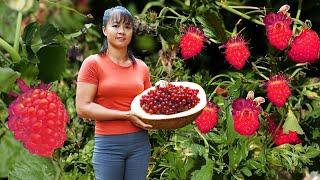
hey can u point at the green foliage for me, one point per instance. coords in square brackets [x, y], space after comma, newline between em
[52, 62]
[10, 151]
[41, 168]
[7, 78]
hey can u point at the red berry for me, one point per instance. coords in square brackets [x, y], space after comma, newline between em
[245, 115]
[305, 47]
[38, 119]
[278, 30]
[237, 52]
[208, 118]
[278, 90]
[191, 43]
[279, 137]
[170, 99]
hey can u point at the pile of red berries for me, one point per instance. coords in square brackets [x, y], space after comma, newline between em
[169, 99]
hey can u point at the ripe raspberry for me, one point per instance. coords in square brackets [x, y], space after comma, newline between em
[191, 43]
[278, 90]
[208, 118]
[245, 115]
[279, 137]
[305, 47]
[237, 52]
[278, 30]
[38, 119]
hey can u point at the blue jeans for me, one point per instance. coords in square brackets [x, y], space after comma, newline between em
[121, 157]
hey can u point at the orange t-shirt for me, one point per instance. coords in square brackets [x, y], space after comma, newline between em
[116, 88]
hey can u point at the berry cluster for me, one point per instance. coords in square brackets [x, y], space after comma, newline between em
[38, 119]
[305, 47]
[170, 99]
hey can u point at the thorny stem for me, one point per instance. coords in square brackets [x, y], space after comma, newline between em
[13, 53]
[232, 10]
[297, 16]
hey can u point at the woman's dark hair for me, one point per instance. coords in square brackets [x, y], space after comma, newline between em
[120, 14]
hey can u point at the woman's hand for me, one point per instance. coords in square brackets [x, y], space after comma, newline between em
[137, 121]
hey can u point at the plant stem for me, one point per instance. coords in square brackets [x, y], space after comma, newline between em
[206, 144]
[150, 4]
[244, 7]
[228, 8]
[258, 71]
[13, 53]
[17, 34]
[297, 16]
[165, 9]
[312, 85]
[66, 7]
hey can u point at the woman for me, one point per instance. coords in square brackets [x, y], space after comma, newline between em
[107, 83]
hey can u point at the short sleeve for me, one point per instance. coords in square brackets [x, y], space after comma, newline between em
[147, 79]
[89, 71]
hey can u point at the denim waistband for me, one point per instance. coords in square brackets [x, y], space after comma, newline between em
[135, 137]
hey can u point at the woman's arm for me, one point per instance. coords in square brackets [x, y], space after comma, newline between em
[86, 108]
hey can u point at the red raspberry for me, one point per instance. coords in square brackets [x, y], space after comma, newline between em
[38, 119]
[191, 43]
[245, 115]
[237, 52]
[278, 90]
[305, 47]
[278, 30]
[208, 118]
[279, 137]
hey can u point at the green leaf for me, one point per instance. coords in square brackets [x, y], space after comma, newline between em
[7, 79]
[235, 89]
[29, 33]
[52, 62]
[292, 124]
[48, 32]
[3, 111]
[231, 133]
[312, 152]
[246, 171]
[10, 149]
[79, 33]
[213, 25]
[29, 71]
[205, 172]
[198, 149]
[239, 153]
[31, 167]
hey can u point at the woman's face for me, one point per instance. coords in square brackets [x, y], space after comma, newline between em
[118, 32]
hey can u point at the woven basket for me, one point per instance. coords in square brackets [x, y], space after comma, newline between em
[175, 121]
